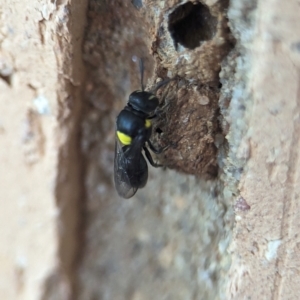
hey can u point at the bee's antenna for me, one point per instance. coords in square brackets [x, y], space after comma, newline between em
[142, 73]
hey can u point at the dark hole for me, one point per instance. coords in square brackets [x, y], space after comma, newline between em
[158, 130]
[137, 3]
[190, 24]
[213, 171]
[6, 78]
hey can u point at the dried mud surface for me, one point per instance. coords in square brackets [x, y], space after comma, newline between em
[169, 241]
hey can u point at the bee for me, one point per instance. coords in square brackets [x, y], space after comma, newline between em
[133, 132]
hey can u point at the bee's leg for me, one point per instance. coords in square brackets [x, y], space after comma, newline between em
[159, 85]
[150, 159]
[153, 116]
[159, 111]
[156, 151]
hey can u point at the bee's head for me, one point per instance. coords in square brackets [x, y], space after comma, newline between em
[143, 101]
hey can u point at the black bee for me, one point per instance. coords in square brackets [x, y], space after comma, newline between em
[133, 131]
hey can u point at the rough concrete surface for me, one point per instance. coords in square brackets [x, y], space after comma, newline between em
[265, 247]
[39, 93]
[220, 221]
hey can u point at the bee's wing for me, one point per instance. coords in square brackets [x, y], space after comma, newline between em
[121, 176]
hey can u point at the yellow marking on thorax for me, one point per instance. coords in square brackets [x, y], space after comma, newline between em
[124, 138]
[147, 123]
[152, 97]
